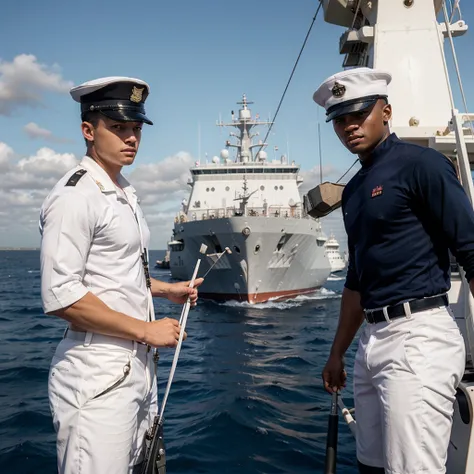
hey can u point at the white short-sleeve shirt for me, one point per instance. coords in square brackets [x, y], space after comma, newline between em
[93, 235]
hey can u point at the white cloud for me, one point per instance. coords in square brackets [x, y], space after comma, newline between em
[36, 173]
[34, 131]
[24, 80]
[25, 182]
[161, 182]
[23, 186]
[161, 187]
[6, 153]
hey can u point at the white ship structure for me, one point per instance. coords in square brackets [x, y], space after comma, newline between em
[252, 205]
[336, 260]
[406, 38]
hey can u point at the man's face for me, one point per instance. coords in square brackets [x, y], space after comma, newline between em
[115, 143]
[360, 132]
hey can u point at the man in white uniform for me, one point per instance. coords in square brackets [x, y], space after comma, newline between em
[404, 212]
[94, 274]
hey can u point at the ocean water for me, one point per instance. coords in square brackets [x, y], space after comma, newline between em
[247, 396]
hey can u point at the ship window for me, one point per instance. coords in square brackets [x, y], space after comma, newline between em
[262, 188]
[213, 189]
[207, 189]
[276, 188]
[227, 188]
[237, 249]
[281, 187]
[257, 248]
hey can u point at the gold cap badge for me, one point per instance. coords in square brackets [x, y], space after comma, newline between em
[338, 90]
[137, 94]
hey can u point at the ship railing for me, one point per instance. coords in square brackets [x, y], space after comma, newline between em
[288, 212]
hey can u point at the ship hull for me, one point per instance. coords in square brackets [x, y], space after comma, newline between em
[254, 298]
[272, 258]
[337, 266]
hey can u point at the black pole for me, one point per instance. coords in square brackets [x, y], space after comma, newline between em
[331, 442]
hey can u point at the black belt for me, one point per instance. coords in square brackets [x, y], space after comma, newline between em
[398, 310]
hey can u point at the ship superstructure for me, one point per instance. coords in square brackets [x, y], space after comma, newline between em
[337, 261]
[252, 205]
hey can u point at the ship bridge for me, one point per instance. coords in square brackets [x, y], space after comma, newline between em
[248, 184]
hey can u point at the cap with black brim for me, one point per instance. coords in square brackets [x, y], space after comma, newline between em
[127, 116]
[351, 106]
[117, 97]
[121, 111]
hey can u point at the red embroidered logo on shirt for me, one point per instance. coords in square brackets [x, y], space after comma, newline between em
[377, 191]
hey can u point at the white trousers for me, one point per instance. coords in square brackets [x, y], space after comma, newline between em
[103, 398]
[405, 378]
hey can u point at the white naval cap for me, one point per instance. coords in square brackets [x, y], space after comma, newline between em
[119, 98]
[351, 91]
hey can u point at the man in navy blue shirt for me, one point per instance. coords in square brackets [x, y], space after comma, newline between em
[404, 212]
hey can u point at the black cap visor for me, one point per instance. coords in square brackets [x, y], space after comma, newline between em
[126, 115]
[351, 106]
[122, 111]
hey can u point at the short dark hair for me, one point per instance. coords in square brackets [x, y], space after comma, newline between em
[91, 117]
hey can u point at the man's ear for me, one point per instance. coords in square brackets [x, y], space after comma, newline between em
[88, 131]
[387, 113]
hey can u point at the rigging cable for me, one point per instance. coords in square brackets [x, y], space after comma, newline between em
[291, 75]
[352, 166]
[356, 11]
[455, 8]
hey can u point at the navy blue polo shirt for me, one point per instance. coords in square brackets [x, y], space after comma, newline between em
[403, 211]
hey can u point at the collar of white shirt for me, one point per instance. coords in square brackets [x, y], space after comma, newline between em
[100, 176]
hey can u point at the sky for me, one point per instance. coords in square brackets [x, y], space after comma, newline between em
[198, 58]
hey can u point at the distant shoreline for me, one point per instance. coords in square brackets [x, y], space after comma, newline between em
[9, 249]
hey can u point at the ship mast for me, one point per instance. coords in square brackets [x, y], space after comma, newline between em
[244, 123]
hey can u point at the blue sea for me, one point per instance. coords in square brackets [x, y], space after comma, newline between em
[247, 396]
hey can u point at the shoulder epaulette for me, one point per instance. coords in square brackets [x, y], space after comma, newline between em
[74, 179]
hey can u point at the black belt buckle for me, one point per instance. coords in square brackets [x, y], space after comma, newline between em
[369, 318]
